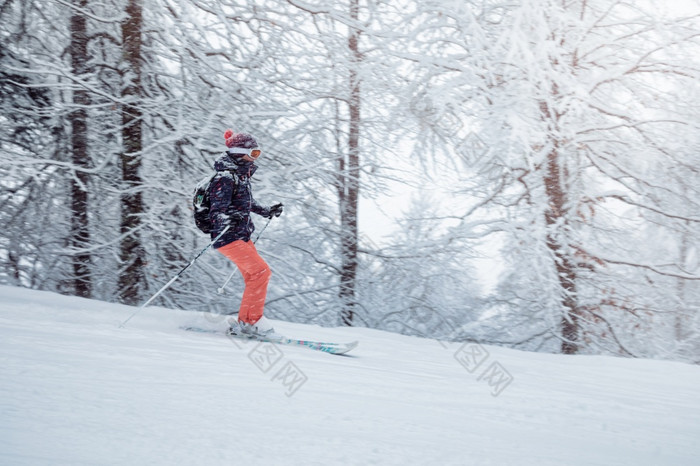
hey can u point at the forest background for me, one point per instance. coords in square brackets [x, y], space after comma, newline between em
[556, 139]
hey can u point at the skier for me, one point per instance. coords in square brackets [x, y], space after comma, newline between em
[231, 204]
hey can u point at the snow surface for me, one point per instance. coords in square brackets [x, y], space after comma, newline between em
[75, 389]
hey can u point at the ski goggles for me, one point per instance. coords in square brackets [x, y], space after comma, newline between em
[253, 153]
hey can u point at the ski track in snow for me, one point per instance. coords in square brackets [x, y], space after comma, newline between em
[75, 389]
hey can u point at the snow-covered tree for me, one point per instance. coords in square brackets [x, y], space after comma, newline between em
[573, 144]
[564, 132]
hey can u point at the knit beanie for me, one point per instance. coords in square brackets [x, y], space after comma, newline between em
[243, 140]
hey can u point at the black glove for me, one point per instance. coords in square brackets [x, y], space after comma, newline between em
[275, 210]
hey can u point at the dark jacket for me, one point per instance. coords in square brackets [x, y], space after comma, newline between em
[232, 200]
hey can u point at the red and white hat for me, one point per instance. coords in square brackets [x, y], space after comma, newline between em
[240, 140]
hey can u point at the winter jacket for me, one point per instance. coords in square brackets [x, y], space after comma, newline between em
[232, 200]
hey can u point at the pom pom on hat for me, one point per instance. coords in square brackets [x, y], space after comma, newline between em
[228, 137]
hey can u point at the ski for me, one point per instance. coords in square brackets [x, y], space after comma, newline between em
[326, 347]
[332, 348]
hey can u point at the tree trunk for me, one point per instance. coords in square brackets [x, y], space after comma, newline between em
[683, 320]
[80, 232]
[131, 279]
[350, 182]
[557, 243]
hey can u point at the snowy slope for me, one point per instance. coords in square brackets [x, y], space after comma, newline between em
[75, 389]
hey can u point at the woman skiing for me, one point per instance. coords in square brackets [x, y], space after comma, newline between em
[231, 204]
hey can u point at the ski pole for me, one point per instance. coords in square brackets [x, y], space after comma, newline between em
[261, 231]
[172, 280]
[221, 290]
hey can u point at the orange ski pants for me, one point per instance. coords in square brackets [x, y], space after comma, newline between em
[256, 275]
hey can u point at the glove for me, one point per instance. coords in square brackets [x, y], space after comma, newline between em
[276, 210]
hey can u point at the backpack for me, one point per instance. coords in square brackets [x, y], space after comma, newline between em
[202, 203]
